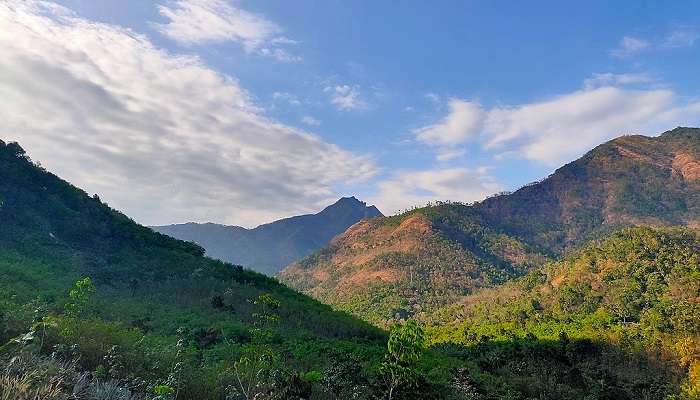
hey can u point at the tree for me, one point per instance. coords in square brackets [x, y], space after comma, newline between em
[79, 297]
[404, 349]
[256, 369]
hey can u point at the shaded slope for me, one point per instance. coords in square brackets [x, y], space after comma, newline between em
[270, 247]
[52, 233]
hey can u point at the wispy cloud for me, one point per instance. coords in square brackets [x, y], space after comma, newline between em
[433, 97]
[287, 97]
[193, 22]
[464, 118]
[449, 154]
[681, 38]
[629, 46]
[610, 79]
[345, 97]
[101, 105]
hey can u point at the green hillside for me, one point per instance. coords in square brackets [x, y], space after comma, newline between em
[160, 308]
[631, 180]
[411, 265]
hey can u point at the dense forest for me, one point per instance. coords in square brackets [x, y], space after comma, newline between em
[95, 306]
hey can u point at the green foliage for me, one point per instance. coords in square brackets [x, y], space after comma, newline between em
[404, 349]
[79, 297]
[155, 319]
[429, 270]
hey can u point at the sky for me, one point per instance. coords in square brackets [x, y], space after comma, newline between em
[243, 112]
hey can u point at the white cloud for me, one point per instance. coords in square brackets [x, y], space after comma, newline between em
[415, 188]
[159, 135]
[345, 97]
[681, 38]
[560, 129]
[464, 119]
[279, 55]
[192, 22]
[629, 46]
[309, 120]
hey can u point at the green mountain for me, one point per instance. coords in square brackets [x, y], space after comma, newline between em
[414, 264]
[159, 303]
[269, 247]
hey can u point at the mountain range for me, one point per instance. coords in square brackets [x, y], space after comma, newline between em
[269, 247]
[413, 264]
[585, 285]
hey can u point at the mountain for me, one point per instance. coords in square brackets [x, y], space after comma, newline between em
[158, 301]
[270, 247]
[416, 263]
[631, 180]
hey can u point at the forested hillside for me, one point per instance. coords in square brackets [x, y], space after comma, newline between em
[637, 291]
[631, 180]
[154, 314]
[411, 265]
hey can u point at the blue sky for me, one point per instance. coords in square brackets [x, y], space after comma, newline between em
[245, 111]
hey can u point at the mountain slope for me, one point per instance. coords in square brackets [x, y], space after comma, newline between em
[377, 272]
[153, 291]
[411, 265]
[631, 180]
[166, 322]
[270, 247]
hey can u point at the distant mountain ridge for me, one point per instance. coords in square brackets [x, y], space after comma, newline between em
[269, 247]
[416, 263]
